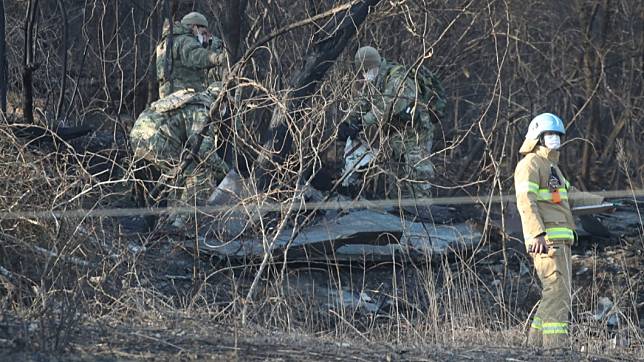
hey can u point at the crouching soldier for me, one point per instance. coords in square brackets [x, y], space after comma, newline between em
[544, 200]
[164, 135]
[396, 115]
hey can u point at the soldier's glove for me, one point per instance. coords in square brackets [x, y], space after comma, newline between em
[348, 129]
[218, 58]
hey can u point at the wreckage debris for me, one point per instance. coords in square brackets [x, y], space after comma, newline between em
[364, 235]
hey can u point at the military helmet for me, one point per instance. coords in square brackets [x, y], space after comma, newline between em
[545, 122]
[194, 18]
[367, 58]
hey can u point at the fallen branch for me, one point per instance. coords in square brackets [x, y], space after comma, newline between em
[68, 259]
[48, 253]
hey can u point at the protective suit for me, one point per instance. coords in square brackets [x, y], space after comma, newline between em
[163, 136]
[544, 200]
[399, 107]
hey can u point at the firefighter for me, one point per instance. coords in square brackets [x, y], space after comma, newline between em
[544, 200]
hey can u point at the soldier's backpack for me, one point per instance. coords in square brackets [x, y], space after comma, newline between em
[432, 94]
[182, 97]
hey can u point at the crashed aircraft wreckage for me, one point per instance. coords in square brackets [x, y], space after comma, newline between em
[363, 235]
[359, 234]
[371, 234]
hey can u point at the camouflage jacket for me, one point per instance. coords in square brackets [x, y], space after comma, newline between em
[409, 98]
[162, 131]
[190, 61]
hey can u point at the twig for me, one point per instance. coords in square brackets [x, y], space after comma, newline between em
[349, 325]
[69, 259]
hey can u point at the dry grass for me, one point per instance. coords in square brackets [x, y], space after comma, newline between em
[68, 281]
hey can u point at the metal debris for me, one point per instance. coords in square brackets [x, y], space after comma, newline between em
[606, 310]
[581, 270]
[360, 235]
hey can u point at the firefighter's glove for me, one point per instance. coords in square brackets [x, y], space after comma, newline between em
[538, 245]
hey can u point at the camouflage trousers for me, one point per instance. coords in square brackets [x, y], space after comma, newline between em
[163, 140]
[549, 327]
[411, 164]
[401, 169]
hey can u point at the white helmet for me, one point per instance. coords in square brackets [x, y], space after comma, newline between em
[545, 122]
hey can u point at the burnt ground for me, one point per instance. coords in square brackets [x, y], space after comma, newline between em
[189, 339]
[151, 297]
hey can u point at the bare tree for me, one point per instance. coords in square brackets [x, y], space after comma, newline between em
[63, 45]
[4, 77]
[29, 64]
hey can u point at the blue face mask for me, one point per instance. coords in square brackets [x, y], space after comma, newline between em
[552, 141]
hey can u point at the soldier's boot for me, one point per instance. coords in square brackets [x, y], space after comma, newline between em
[145, 180]
[188, 197]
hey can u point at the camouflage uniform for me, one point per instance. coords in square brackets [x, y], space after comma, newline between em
[395, 108]
[192, 64]
[162, 136]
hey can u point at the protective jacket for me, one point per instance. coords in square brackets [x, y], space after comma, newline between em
[398, 109]
[545, 196]
[418, 99]
[190, 61]
[162, 131]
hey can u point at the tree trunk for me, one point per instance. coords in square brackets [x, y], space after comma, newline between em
[63, 77]
[4, 69]
[155, 35]
[594, 43]
[234, 27]
[28, 62]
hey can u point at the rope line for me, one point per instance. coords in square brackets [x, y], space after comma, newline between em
[273, 207]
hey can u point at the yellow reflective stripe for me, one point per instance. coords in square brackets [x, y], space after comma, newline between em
[560, 233]
[528, 186]
[555, 328]
[546, 195]
[555, 324]
[537, 323]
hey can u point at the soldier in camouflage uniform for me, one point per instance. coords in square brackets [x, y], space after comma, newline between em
[163, 134]
[197, 56]
[398, 109]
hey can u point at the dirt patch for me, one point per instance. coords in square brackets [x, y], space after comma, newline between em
[192, 340]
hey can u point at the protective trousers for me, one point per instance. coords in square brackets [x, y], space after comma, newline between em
[549, 327]
[413, 148]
